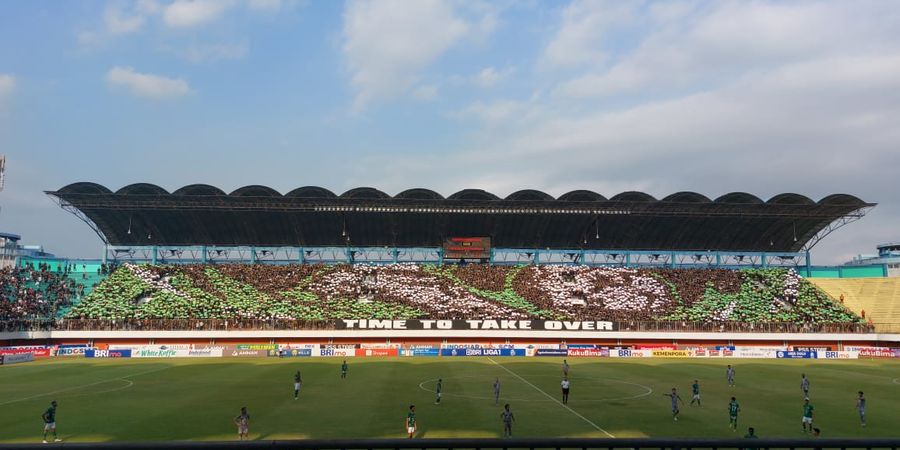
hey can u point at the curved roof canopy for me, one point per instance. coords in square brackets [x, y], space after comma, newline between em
[311, 216]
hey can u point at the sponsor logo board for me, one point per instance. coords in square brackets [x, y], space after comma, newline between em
[72, 351]
[483, 352]
[339, 351]
[125, 353]
[377, 352]
[587, 352]
[422, 351]
[551, 352]
[16, 358]
[793, 354]
[657, 353]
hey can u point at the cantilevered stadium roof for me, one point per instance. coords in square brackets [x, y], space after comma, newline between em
[310, 216]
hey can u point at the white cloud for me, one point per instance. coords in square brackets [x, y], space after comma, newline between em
[695, 47]
[426, 92]
[585, 26]
[7, 86]
[387, 43]
[489, 76]
[191, 13]
[495, 111]
[147, 85]
[118, 22]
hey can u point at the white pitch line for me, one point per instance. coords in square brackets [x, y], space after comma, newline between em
[81, 386]
[553, 398]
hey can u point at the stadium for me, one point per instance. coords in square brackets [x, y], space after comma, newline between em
[205, 302]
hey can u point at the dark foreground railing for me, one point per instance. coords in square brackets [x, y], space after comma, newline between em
[479, 444]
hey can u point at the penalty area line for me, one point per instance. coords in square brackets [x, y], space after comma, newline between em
[553, 398]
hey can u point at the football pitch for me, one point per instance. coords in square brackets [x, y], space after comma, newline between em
[196, 399]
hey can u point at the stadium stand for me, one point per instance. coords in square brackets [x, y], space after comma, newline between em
[877, 298]
[308, 293]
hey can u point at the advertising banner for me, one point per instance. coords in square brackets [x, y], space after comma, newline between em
[71, 350]
[587, 352]
[17, 358]
[837, 355]
[754, 352]
[377, 352]
[795, 354]
[876, 352]
[422, 351]
[475, 324]
[233, 352]
[107, 353]
[256, 346]
[657, 353]
[293, 353]
[337, 351]
[149, 352]
[812, 349]
[484, 352]
[628, 353]
[150, 347]
[37, 351]
[570, 346]
[551, 352]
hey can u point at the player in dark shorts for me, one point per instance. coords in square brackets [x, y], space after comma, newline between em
[565, 389]
[49, 417]
[861, 408]
[675, 399]
[437, 391]
[508, 418]
[297, 382]
[411, 421]
[696, 390]
[344, 369]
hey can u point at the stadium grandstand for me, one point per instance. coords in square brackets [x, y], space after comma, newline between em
[198, 273]
[310, 260]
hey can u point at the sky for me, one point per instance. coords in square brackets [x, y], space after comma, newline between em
[612, 96]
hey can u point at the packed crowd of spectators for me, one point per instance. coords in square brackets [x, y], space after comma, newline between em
[304, 294]
[33, 292]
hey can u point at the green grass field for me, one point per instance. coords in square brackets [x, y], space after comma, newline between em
[196, 399]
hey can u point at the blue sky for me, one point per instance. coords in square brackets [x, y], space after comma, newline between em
[713, 97]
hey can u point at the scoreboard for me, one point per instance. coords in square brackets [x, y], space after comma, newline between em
[467, 248]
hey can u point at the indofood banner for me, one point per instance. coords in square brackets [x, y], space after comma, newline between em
[475, 324]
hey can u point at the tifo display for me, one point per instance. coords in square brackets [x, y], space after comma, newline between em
[329, 293]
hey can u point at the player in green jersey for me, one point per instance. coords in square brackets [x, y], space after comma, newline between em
[344, 369]
[807, 419]
[49, 417]
[297, 382]
[696, 389]
[411, 421]
[733, 410]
